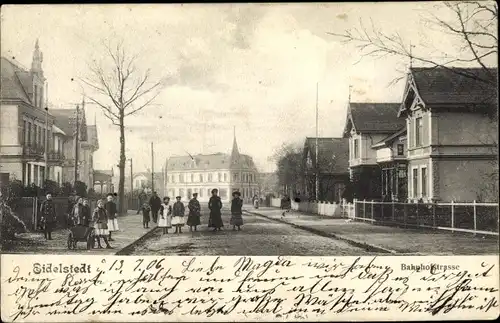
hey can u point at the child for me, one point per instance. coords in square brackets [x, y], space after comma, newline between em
[100, 219]
[178, 215]
[236, 218]
[165, 221]
[145, 215]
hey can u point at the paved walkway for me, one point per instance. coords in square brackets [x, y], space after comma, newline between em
[401, 241]
[130, 230]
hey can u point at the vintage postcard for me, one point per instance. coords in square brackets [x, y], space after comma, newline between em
[249, 162]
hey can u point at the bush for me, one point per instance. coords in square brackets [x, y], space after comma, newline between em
[52, 187]
[66, 189]
[10, 223]
[80, 189]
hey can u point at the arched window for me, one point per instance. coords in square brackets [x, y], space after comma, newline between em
[225, 177]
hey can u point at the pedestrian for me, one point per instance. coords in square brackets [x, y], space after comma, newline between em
[77, 213]
[178, 215]
[111, 211]
[86, 213]
[194, 213]
[100, 220]
[215, 206]
[48, 219]
[165, 221]
[155, 204]
[146, 210]
[236, 213]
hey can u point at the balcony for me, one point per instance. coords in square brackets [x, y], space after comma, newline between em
[33, 151]
[56, 156]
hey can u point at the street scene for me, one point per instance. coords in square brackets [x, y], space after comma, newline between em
[252, 129]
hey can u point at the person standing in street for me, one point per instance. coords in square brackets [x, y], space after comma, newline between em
[236, 213]
[165, 220]
[77, 213]
[86, 213]
[178, 215]
[146, 210]
[215, 206]
[194, 213]
[155, 204]
[100, 220]
[49, 217]
[111, 211]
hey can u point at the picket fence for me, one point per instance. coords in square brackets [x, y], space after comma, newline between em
[476, 218]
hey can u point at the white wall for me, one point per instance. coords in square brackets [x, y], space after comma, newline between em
[9, 126]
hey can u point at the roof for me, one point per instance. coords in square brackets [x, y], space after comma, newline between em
[65, 120]
[57, 130]
[374, 118]
[158, 175]
[103, 172]
[333, 154]
[16, 82]
[212, 161]
[390, 138]
[455, 85]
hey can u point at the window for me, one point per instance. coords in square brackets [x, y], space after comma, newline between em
[223, 193]
[181, 179]
[35, 171]
[210, 177]
[201, 192]
[220, 177]
[225, 177]
[29, 134]
[168, 179]
[418, 132]
[356, 148]
[401, 149]
[173, 178]
[192, 177]
[201, 178]
[209, 192]
[424, 181]
[250, 178]
[42, 174]
[415, 182]
[24, 132]
[35, 93]
[181, 192]
[236, 177]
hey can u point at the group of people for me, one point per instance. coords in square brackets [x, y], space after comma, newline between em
[103, 219]
[169, 216]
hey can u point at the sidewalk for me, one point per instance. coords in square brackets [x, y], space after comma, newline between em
[33, 242]
[384, 238]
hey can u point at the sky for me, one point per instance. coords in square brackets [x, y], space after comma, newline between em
[254, 67]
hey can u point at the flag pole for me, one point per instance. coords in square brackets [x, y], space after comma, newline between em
[317, 150]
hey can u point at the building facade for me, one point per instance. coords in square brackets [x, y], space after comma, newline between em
[185, 175]
[26, 128]
[367, 124]
[452, 123]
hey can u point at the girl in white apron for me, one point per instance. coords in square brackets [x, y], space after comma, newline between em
[165, 220]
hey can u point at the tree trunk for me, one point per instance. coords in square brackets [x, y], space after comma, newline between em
[121, 165]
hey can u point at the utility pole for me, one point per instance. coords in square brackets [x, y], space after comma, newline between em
[76, 142]
[317, 150]
[131, 178]
[46, 173]
[152, 169]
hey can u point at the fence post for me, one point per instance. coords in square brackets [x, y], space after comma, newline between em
[434, 215]
[364, 209]
[475, 218]
[452, 217]
[393, 211]
[354, 202]
[372, 210]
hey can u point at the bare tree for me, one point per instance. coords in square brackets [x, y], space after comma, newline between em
[474, 25]
[288, 160]
[120, 90]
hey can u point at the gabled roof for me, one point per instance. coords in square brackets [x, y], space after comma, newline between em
[57, 130]
[65, 120]
[373, 118]
[212, 161]
[390, 139]
[441, 85]
[158, 175]
[333, 154]
[16, 82]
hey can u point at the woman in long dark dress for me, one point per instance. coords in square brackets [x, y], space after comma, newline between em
[236, 213]
[215, 206]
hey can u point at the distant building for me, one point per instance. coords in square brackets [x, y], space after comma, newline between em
[332, 167]
[200, 174]
[142, 181]
[103, 181]
[25, 126]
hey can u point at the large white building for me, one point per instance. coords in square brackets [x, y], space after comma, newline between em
[27, 131]
[185, 175]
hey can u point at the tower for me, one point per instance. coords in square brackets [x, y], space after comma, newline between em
[36, 63]
[235, 153]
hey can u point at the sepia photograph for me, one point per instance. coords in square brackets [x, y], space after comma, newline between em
[327, 129]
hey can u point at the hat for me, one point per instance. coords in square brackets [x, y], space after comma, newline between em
[236, 193]
[178, 197]
[109, 194]
[215, 190]
[195, 194]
